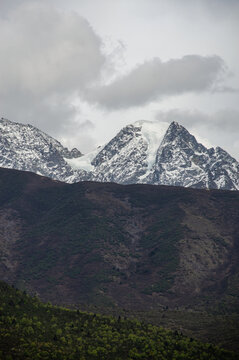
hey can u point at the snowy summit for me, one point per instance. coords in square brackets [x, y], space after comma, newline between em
[142, 152]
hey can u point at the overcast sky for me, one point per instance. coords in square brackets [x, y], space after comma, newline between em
[80, 70]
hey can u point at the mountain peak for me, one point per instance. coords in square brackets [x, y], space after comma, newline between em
[24, 147]
[142, 152]
[72, 154]
[175, 126]
[177, 131]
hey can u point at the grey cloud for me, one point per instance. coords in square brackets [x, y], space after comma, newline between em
[6, 6]
[154, 79]
[187, 118]
[87, 125]
[225, 119]
[221, 8]
[47, 58]
[43, 50]
[79, 132]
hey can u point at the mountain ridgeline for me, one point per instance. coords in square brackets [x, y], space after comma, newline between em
[24, 147]
[165, 254]
[143, 152]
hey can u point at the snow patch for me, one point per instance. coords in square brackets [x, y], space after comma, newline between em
[152, 133]
[84, 162]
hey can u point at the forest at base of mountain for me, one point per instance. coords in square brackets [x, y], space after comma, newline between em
[30, 329]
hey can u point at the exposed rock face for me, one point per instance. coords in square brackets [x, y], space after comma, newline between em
[24, 147]
[182, 161]
[152, 154]
[143, 152]
[123, 159]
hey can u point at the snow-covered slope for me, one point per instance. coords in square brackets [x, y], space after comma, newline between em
[130, 155]
[84, 162]
[182, 161]
[143, 152]
[159, 153]
[24, 147]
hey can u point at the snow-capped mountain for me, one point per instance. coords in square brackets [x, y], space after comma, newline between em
[143, 152]
[182, 161]
[24, 147]
[130, 155]
[159, 153]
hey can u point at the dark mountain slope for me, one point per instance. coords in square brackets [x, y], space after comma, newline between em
[137, 247]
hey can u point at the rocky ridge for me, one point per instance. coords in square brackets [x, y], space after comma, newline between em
[24, 147]
[143, 152]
